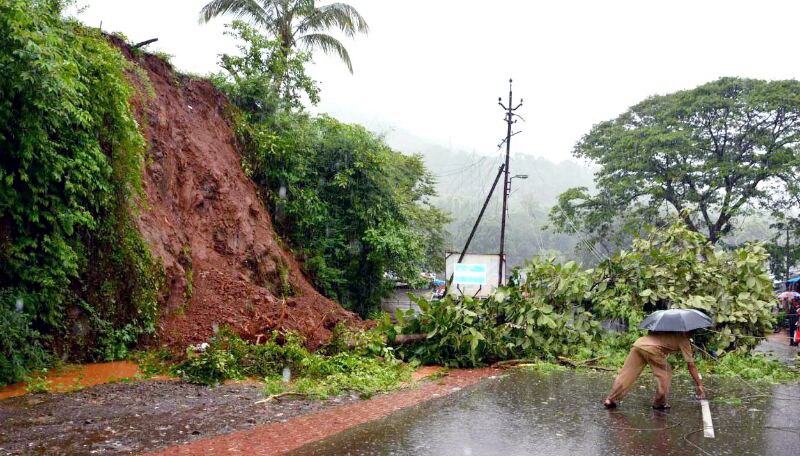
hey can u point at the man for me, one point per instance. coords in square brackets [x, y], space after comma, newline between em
[653, 350]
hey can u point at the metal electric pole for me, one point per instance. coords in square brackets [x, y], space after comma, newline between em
[509, 118]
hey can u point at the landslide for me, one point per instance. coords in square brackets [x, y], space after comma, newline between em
[224, 264]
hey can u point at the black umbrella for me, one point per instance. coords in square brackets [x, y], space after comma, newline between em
[676, 320]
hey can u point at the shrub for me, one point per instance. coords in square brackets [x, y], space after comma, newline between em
[510, 324]
[38, 384]
[230, 357]
[362, 342]
[20, 346]
[211, 367]
[677, 267]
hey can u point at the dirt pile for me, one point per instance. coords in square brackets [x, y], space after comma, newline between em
[224, 263]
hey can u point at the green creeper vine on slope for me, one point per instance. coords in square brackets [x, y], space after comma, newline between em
[70, 170]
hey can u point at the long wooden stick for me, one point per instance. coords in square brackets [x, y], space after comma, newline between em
[574, 363]
[513, 362]
[280, 395]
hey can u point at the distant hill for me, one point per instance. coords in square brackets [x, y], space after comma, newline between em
[464, 179]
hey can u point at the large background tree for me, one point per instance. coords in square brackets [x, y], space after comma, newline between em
[708, 154]
[295, 22]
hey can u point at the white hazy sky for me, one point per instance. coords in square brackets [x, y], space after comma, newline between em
[436, 67]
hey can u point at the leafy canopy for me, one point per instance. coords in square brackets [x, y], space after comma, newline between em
[707, 154]
[263, 78]
[357, 211]
[295, 22]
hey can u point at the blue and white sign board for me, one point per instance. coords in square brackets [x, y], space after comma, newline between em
[469, 274]
[476, 274]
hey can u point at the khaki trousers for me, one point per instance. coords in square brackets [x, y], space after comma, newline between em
[634, 363]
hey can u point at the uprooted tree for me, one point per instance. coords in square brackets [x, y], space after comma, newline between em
[556, 309]
[708, 154]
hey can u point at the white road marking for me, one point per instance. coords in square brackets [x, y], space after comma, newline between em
[708, 425]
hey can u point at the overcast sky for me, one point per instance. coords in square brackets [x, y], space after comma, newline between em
[436, 67]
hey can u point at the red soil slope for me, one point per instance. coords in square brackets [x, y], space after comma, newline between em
[223, 261]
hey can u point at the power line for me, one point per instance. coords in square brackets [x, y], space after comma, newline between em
[571, 223]
[462, 169]
[477, 223]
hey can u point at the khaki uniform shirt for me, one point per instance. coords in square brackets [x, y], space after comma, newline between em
[666, 343]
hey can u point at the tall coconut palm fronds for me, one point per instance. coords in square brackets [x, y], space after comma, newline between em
[295, 22]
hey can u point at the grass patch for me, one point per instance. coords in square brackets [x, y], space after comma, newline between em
[751, 367]
[153, 363]
[440, 373]
[38, 383]
[544, 367]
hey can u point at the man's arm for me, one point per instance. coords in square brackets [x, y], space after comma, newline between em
[686, 348]
[701, 392]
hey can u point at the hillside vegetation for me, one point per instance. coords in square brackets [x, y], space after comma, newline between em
[129, 214]
[359, 214]
[75, 274]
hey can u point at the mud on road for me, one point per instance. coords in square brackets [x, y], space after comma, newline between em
[123, 418]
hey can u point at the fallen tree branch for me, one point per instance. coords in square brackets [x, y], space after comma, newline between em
[144, 43]
[275, 397]
[573, 363]
[513, 362]
[593, 360]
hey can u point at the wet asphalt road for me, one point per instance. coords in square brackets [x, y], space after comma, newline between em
[532, 413]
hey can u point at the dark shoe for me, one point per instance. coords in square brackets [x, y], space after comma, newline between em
[609, 404]
[662, 407]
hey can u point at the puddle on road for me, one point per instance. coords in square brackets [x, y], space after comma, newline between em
[528, 413]
[75, 377]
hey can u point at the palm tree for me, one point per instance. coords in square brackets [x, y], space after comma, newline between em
[295, 22]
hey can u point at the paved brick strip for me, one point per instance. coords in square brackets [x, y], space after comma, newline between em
[279, 438]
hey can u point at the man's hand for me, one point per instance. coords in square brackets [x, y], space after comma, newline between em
[701, 393]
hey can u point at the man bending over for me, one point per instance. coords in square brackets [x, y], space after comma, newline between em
[653, 350]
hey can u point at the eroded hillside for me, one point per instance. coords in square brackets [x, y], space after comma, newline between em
[224, 264]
